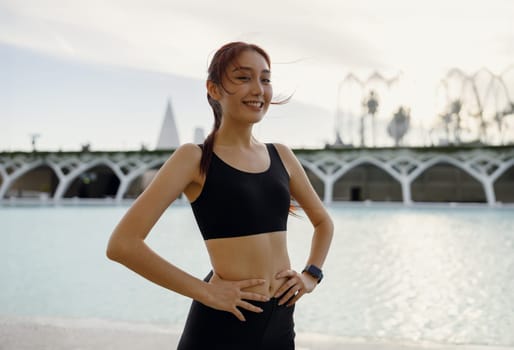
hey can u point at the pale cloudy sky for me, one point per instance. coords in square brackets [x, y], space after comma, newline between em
[101, 71]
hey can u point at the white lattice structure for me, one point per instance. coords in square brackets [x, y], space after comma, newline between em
[403, 165]
[67, 167]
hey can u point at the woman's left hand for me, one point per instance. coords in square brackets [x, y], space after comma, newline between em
[296, 285]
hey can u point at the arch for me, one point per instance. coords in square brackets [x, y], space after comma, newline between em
[135, 187]
[445, 182]
[68, 165]
[37, 181]
[367, 181]
[368, 160]
[504, 186]
[142, 180]
[18, 170]
[313, 167]
[501, 169]
[97, 181]
[443, 159]
[316, 182]
[131, 186]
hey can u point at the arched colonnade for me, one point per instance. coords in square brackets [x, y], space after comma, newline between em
[402, 175]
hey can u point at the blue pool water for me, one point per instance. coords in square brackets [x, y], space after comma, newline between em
[437, 274]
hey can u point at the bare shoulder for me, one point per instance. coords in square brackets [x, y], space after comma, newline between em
[178, 172]
[183, 166]
[187, 155]
[189, 150]
[281, 147]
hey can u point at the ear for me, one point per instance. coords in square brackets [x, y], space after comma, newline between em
[213, 90]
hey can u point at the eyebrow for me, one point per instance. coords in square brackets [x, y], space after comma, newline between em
[250, 69]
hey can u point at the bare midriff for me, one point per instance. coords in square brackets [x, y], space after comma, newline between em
[259, 256]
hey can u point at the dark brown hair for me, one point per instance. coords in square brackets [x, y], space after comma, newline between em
[220, 62]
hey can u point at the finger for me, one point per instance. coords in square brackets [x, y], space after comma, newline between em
[285, 273]
[254, 296]
[250, 307]
[296, 297]
[284, 287]
[238, 314]
[288, 296]
[250, 283]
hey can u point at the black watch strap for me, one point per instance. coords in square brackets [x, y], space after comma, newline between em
[314, 271]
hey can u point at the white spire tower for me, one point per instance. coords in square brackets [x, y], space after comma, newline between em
[168, 137]
[199, 135]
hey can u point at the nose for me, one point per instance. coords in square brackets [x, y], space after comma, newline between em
[257, 88]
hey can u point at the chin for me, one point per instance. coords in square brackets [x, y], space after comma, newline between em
[253, 117]
[255, 120]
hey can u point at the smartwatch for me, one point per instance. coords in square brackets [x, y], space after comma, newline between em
[314, 271]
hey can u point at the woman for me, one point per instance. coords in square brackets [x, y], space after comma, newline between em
[240, 192]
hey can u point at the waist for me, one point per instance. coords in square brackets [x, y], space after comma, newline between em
[260, 256]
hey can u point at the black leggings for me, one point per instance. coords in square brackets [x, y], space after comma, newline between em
[207, 328]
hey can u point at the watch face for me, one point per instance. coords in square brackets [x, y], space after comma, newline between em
[314, 269]
[314, 272]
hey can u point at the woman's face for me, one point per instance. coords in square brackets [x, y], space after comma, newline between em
[248, 88]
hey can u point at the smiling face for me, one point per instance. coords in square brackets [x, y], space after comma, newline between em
[246, 92]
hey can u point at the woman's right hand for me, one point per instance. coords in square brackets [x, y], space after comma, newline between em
[229, 295]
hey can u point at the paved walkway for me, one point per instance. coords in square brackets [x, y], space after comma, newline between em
[41, 334]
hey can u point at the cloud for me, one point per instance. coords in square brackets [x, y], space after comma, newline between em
[325, 40]
[178, 36]
[113, 31]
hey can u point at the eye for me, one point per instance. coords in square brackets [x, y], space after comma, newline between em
[243, 78]
[266, 80]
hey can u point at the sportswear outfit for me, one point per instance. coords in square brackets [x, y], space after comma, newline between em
[235, 203]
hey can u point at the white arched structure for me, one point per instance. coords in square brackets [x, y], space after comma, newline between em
[68, 167]
[405, 165]
[329, 165]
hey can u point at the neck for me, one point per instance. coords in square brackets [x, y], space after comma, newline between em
[234, 135]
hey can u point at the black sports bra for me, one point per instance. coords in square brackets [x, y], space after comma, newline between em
[235, 203]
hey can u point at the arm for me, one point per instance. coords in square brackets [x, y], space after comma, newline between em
[127, 245]
[303, 192]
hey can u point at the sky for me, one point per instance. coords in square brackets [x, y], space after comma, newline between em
[102, 72]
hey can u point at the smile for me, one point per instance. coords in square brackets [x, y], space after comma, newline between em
[257, 104]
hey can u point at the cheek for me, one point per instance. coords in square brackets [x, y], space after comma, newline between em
[268, 93]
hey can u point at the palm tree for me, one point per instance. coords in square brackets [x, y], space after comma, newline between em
[371, 105]
[446, 119]
[399, 125]
[455, 108]
[33, 139]
[500, 118]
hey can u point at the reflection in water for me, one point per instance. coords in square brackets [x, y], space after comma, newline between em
[433, 274]
[444, 275]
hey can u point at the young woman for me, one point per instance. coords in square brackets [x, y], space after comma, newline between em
[240, 191]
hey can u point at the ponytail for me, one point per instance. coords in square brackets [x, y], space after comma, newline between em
[208, 144]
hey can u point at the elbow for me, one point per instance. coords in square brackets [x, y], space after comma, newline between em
[116, 250]
[123, 249]
[324, 229]
[331, 226]
[112, 252]
[328, 227]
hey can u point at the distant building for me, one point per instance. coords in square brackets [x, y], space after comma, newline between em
[168, 137]
[199, 135]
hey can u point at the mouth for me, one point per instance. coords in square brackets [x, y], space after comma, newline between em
[255, 104]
